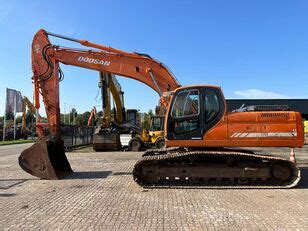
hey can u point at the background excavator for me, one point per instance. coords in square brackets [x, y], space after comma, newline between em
[120, 128]
[92, 117]
[107, 135]
[205, 143]
[116, 131]
[26, 104]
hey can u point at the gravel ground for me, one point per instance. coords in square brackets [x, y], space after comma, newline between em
[101, 194]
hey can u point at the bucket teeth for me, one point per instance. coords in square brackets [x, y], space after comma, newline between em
[45, 159]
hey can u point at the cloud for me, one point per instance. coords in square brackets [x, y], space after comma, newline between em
[259, 94]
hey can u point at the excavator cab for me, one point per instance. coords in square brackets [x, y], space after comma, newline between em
[193, 111]
[156, 131]
[157, 123]
[132, 116]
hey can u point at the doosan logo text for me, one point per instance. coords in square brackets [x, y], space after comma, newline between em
[94, 61]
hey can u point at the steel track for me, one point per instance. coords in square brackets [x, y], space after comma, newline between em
[153, 168]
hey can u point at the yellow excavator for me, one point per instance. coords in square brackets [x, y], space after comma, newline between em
[107, 136]
[120, 128]
[26, 103]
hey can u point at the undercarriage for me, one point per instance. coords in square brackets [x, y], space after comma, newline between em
[184, 168]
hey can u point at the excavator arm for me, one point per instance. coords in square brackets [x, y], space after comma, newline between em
[109, 84]
[26, 103]
[92, 116]
[46, 158]
[47, 73]
[117, 94]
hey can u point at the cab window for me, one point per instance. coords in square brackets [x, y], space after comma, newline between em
[157, 124]
[211, 105]
[185, 109]
[186, 104]
[186, 126]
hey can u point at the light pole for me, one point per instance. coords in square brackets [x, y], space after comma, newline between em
[74, 106]
[69, 115]
[64, 112]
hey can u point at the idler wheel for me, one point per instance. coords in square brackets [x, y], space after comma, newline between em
[281, 172]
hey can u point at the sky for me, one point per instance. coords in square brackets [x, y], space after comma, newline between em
[252, 49]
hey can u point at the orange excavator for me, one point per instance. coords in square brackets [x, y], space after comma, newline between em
[204, 143]
[92, 116]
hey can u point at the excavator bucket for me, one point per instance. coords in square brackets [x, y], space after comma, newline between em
[45, 159]
[106, 141]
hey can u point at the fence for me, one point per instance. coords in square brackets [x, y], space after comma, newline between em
[74, 136]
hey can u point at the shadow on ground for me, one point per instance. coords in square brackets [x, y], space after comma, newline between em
[8, 183]
[7, 194]
[122, 173]
[89, 175]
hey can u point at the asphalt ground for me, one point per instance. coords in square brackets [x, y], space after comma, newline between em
[14, 149]
[101, 194]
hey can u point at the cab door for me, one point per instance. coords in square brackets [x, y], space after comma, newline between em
[193, 112]
[185, 118]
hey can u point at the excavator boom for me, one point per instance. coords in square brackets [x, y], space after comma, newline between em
[92, 116]
[47, 74]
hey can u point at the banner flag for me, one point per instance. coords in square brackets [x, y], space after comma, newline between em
[13, 98]
[10, 102]
[19, 102]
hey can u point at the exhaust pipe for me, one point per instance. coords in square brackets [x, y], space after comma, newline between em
[45, 159]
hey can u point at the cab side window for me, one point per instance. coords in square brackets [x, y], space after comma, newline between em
[211, 105]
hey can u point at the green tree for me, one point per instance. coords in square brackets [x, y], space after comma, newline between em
[18, 119]
[73, 114]
[29, 117]
[150, 112]
[9, 115]
[78, 120]
[86, 116]
[146, 119]
[99, 114]
[62, 118]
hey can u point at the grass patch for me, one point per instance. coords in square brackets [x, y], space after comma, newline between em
[8, 142]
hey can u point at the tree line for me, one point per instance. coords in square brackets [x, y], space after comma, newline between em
[75, 118]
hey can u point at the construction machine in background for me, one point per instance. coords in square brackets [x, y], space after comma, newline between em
[155, 135]
[116, 124]
[92, 118]
[106, 136]
[205, 145]
[119, 127]
[26, 104]
[148, 138]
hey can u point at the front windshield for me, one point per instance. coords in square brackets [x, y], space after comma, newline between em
[131, 117]
[186, 104]
[156, 124]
